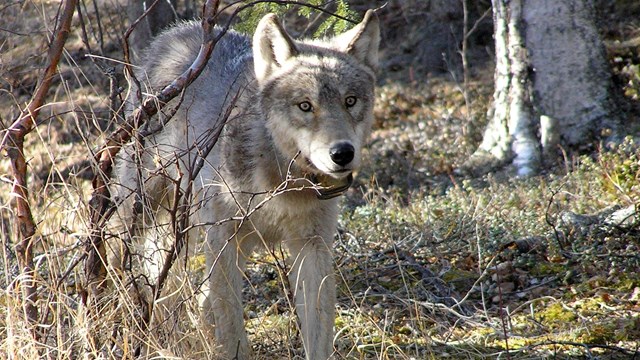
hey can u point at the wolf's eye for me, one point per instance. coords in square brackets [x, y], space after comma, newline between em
[305, 106]
[350, 101]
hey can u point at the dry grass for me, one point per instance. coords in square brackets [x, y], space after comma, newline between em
[430, 264]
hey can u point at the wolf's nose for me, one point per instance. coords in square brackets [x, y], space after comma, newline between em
[342, 153]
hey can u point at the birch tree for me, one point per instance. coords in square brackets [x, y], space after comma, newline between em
[552, 85]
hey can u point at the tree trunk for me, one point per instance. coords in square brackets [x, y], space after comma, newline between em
[552, 84]
[159, 14]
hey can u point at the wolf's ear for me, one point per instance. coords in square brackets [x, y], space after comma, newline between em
[272, 46]
[363, 40]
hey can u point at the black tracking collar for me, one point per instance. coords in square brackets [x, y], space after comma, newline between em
[328, 187]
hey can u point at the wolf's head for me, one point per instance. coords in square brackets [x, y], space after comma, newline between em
[318, 95]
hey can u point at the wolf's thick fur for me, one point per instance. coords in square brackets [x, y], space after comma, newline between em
[298, 113]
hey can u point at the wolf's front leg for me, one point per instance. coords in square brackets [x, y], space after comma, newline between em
[313, 283]
[223, 306]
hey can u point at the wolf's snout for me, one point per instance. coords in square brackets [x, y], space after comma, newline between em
[342, 153]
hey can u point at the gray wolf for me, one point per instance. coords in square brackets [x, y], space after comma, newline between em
[292, 117]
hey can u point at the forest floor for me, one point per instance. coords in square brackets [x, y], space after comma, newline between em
[431, 263]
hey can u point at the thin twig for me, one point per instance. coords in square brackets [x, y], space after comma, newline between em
[547, 219]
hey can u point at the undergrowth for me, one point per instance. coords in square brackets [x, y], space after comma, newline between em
[430, 264]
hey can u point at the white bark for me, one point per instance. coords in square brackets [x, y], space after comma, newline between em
[521, 124]
[551, 83]
[496, 137]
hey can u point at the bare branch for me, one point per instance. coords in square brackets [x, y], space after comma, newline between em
[13, 144]
[100, 200]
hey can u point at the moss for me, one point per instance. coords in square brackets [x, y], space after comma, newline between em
[555, 314]
[197, 262]
[600, 333]
[626, 282]
[544, 268]
[618, 170]
[461, 280]
[627, 328]
[404, 330]
[455, 275]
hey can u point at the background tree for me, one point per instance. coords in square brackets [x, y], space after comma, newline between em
[152, 16]
[552, 84]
